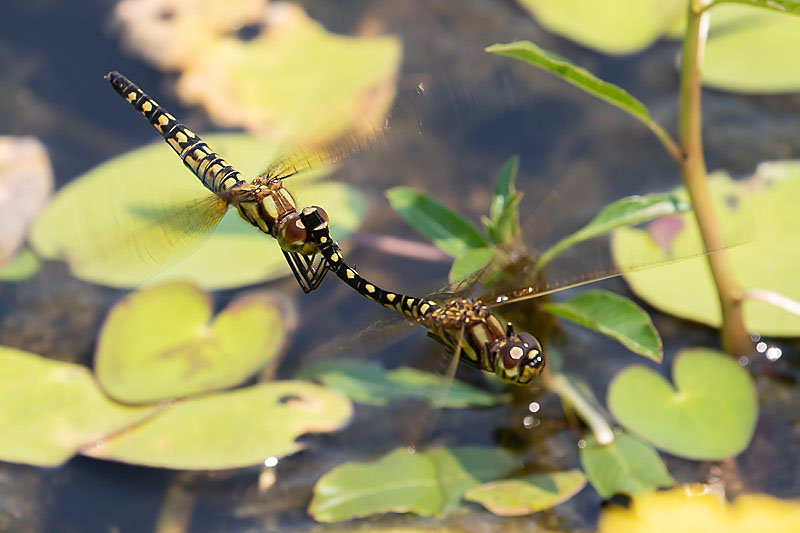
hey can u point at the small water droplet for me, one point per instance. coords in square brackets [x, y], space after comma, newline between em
[774, 353]
[271, 462]
[534, 407]
[761, 347]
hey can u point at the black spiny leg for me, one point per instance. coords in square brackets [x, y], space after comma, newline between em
[308, 271]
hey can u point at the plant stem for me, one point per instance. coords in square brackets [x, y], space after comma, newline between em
[559, 384]
[735, 339]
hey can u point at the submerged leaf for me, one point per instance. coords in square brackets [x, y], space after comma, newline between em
[369, 383]
[710, 413]
[162, 343]
[614, 316]
[446, 229]
[760, 212]
[231, 429]
[626, 466]
[138, 216]
[529, 494]
[49, 409]
[429, 483]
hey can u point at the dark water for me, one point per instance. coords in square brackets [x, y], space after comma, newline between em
[52, 59]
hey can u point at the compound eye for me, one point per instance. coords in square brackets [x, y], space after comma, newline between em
[294, 230]
[512, 353]
[321, 212]
[528, 340]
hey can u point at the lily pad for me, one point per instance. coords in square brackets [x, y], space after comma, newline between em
[761, 213]
[429, 483]
[163, 343]
[752, 50]
[369, 383]
[49, 409]
[137, 217]
[697, 508]
[446, 229]
[611, 26]
[231, 429]
[626, 466]
[26, 182]
[22, 266]
[529, 494]
[614, 316]
[709, 413]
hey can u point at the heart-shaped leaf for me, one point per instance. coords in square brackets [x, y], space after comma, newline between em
[529, 494]
[49, 409]
[709, 413]
[761, 210]
[446, 229]
[162, 343]
[614, 316]
[626, 466]
[231, 429]
[429, 483]
[137, 217]
[369, 383]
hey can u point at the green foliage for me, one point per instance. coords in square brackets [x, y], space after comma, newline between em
[230, 429]
[22, 266]
[134, 218]
[761, 210]
[709, 414]
[502, 225]
[50, 410]
[626, 466]
[162, 343]
[425, 483]
[369, 383]
[614, 316]
[529, 494]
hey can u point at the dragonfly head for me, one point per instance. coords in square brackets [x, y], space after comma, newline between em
[518, 358]
[293, 235]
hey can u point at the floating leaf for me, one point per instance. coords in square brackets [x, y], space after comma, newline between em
[698, 508]
[446, 229]
[626, 466]
[369, 383]
[127, 220]
[761, 210]
[231, 429]
[49, 409]
[781, 6]
[753, 50]
[162, 343]
[529, 494]
[22, 266]
[628, 211]
[26, 182]
[611, 26]
[614, 316]
[427, 484]
[710, 413]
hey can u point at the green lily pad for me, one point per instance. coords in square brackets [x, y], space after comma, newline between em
[529, 494]
[614, 316]
[49, 409]
[626, 466]
[231, 429]
[369, 383]
[429, 483]
[137, 217]
[710, 412]
[611, 26]
[22, 266]
[752, 50]
[163, 343]
[446, 229]
[760, 212]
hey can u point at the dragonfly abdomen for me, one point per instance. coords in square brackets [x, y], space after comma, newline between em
[212, 170]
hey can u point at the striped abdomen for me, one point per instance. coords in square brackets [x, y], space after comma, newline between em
[213, 171]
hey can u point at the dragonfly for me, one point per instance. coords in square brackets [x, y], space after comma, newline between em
[263, 202]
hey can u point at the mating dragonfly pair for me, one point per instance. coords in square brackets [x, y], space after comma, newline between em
[467, 327]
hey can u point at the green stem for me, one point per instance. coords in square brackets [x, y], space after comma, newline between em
[559, 384]
[735, 339]
[669, 143]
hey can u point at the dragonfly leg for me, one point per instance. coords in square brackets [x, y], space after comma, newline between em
[304, 272]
